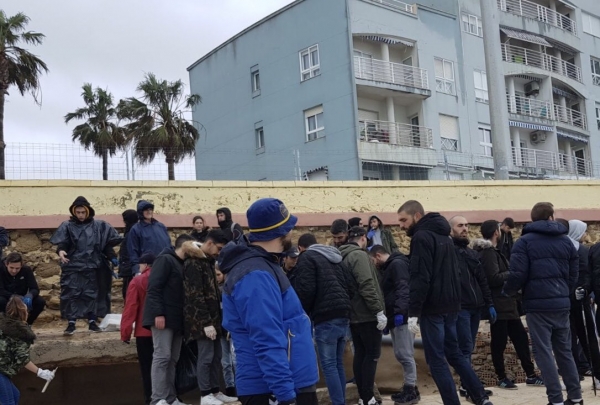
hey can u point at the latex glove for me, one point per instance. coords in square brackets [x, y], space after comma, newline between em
[413, 324]
[580, 293]
[398, 320]
[381, 320]
[370, 234]
[28, 301]
[115, 261]
[386, 331]
[493, 315]
[210, 332]
[45, 374]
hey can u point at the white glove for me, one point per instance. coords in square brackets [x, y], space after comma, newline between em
[45, 374]
[413, 324]
[381, 321]
[579, 293]
[210, 332]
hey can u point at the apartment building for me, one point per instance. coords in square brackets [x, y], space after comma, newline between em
[383, 89]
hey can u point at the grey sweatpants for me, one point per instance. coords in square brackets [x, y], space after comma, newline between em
[167, 347]
[550, 333]
[403, 341]
[209, 359]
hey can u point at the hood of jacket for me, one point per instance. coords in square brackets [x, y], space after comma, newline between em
[577, 229]
[82, 202]
[482, 244]
[16, 329]
[348, 248]
[192, 250]
[545, 227]
[330, 253]
[240, 250]
[130, 218]
[228, 221]
[143, 205]
[379, 219]
[432, 222]
[395, 256]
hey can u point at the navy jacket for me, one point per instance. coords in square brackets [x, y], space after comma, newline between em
[545, 265]
[146, 237]
[272, 333]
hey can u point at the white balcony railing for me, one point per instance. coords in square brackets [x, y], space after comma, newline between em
[390, 72]
[395, 133]
[528, 57]
[596, 79]
[558, 162]
[530, 107]
[538, 12]
[570, 116]
[399, 5]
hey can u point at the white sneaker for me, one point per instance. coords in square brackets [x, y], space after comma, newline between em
[162, 402]
[372, 401]
[210, 399]
[360, 402]
[177, 402]
[224, 398]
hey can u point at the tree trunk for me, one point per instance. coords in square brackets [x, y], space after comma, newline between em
[171, 166]
[105, 165]
[2, 144]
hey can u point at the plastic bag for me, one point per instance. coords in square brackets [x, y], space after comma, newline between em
[111, 323]
[185, 373]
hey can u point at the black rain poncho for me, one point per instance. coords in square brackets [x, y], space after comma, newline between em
[85, 282]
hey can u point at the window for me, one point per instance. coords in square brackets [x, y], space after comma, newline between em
[595, 71]
[481, 89]
[444, 76]
[260, 138]
[591, 24]
[314, 123]
[485, 140]
[472, 24]
[598, 115]
[449, 132]
[310, 65]
[255, 81]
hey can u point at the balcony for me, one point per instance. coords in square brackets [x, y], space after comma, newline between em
[528, 57]
[380, 71]
[395, 133]
[596, 79]
[525, 8]
[571, 117]
[396, 4]
[552, 161]
[530, 107]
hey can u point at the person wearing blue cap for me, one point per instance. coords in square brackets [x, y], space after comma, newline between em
[272, 334]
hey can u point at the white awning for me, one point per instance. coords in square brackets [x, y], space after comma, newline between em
[570, 135]
[525, 36]
[387, 40]
[527, 125]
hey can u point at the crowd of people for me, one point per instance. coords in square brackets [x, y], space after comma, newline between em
[258, 309]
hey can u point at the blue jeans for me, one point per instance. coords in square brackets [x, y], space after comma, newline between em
[440, 343]
[331, 342]
[467, 326]
[9, 394]
[227, 362]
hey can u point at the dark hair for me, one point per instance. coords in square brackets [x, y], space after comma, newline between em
[564, 222]
[197, 217]
[378, 249]
[355, 221]
[508, 221]
[217, 236]
[16, 308]
[14, 257]
[355, 233]
[411, 207]
[488, 228]
[542, 211]
[307, 240]
[339, 226]
[181, 239]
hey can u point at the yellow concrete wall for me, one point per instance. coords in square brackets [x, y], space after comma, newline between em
[40, 198]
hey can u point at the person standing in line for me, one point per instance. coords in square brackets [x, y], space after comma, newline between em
[18, 279]
[147, 236]
[508, 324]
[200, 230]
[379, 235]
[133, 314]
[355, 221]
[395, 277]
[275, 352]
[367, 317]
[594, 265]
[130, 218]
[232, 230]
[228, 354]
[163, 315]
[288, 263]
[435, 300]
[321, 283]
[505, 244]
[544, 264]
[339, 232]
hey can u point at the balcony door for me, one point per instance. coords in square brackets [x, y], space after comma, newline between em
[415, 131]
[580, 162]
[369, 125]
[364, 67]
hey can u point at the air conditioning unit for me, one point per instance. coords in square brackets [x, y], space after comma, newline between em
[538, 137]
[532, 89]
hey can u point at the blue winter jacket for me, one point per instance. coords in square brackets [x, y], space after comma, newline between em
[545, 265]
[271, 332]
[146, 237]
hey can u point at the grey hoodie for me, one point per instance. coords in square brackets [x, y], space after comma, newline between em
[331, 253]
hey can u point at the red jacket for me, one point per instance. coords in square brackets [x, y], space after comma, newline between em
[134, 308]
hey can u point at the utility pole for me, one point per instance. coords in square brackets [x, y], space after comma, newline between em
[496, 87]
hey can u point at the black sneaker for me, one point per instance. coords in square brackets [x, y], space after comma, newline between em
[534, 381]
[94, 327]
[507, 384]
[70, 329]
[408, 396]
[488, 393]
[462, 391]
[570, 402]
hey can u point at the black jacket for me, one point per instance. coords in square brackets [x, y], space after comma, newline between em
[395, 286]
[475, 291]
[585, 276]
[594, 266]
[495, 267]
[231, 229]
[321, 284]
[505, 244]
[130, 217]
[22, 284]
[434, 273]
[200, 236]
[165, 292]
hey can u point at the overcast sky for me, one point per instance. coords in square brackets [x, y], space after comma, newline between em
[111, 44]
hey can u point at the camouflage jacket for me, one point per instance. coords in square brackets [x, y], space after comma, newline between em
[202, 302]
[16, 337]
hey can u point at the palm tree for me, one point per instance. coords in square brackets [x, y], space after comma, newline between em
[157, 122]
[18, 67]
[99, 132]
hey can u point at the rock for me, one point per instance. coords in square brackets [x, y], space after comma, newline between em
[49, 269]
[53, 303]
[46, 316]
[49, 282]
[28, 242]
